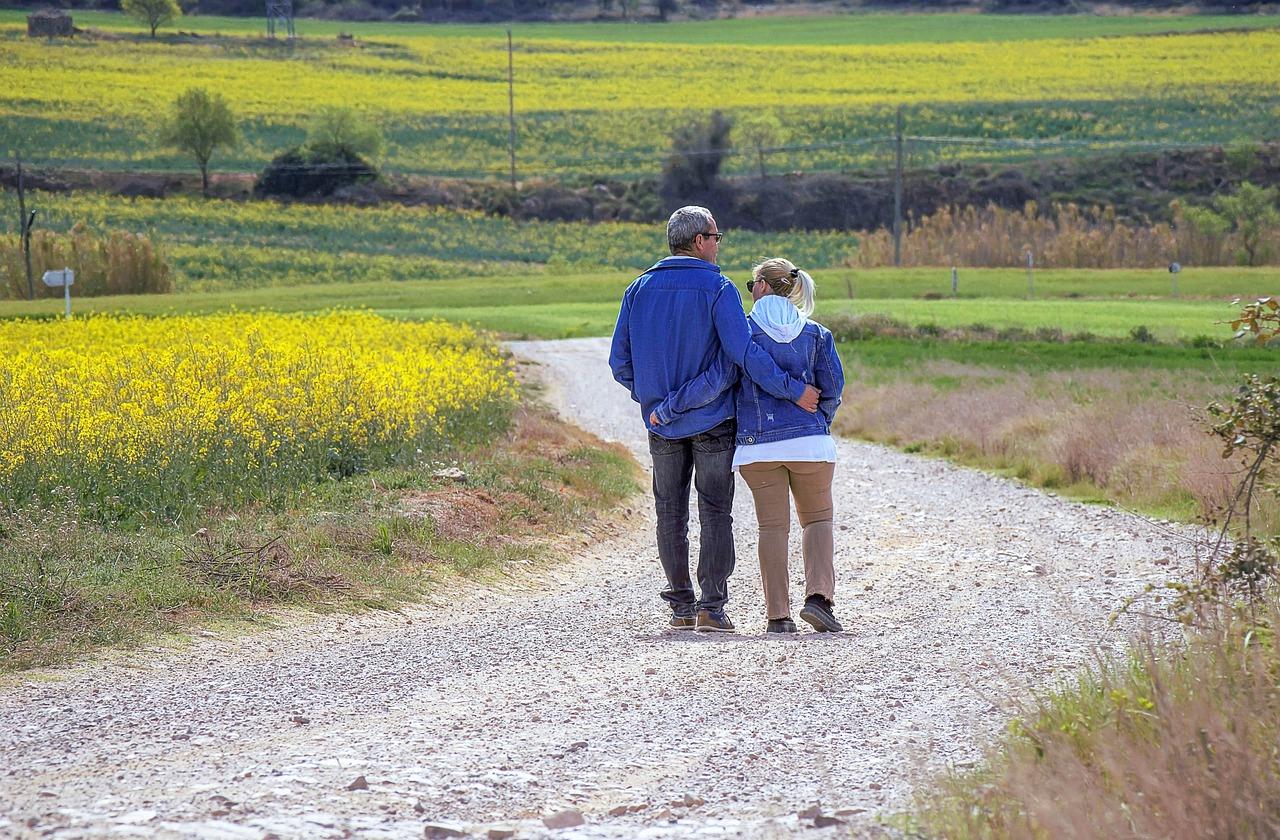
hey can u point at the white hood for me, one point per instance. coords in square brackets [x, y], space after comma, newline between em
[779, 318]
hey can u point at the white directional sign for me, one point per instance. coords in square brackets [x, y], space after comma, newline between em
[59, 277]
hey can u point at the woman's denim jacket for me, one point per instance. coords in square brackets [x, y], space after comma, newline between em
[763, 418]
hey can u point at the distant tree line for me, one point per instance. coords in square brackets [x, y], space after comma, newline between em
[495, 10]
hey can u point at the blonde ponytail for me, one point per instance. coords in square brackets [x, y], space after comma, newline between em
[790, 282]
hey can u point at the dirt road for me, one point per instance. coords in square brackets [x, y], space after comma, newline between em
[492, 709]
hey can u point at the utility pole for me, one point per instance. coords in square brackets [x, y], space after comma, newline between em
[1031, 280]
[24, 225]
[897, 193]
[511, 108]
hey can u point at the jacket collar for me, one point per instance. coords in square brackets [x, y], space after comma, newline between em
[683, 262]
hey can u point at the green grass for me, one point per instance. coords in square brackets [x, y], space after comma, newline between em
[547, 304]
[881, 360]
[376, 540]
[852, 28]
[1166, 320]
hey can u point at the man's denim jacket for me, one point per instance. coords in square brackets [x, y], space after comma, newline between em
[675, 321]
[762, 418]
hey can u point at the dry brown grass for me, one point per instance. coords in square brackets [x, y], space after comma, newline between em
[1179, 740]
[116, 263]
[1137, 438]
[1064, 237]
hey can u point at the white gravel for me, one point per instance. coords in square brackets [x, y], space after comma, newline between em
[498, 706]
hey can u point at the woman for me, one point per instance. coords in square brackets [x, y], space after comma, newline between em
[783, 450]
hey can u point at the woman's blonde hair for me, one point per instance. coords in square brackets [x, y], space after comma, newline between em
[785, 279]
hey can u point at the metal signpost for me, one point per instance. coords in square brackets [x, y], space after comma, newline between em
[64, 278]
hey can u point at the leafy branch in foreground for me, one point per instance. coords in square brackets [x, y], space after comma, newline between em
[1249, 426]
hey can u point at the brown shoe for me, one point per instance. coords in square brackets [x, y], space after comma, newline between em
[714, 621]
[683, 622]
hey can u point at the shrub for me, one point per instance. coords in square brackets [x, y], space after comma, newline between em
[692, 171]
[302, 173]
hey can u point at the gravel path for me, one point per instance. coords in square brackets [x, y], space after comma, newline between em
[491, 709]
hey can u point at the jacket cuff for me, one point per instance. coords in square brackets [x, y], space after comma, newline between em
[797, 389]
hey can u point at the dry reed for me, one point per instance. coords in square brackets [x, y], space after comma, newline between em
[1064, 237]
[116, 263]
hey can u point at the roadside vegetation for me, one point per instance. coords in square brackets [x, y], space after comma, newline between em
[179, 470]
[1115, 421]
[1177, 737]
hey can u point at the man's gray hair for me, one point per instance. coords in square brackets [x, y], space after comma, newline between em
[685, 224]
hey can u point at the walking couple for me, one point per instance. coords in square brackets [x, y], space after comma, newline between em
[720, 392]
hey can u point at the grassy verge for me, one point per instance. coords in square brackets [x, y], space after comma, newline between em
[68, 585]
[1174, 740]
[1110, 422]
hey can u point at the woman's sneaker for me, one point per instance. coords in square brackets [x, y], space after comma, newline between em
[714, 621]
[781, 625]
[817, 612]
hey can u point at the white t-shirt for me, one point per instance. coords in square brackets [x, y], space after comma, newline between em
[808, 448]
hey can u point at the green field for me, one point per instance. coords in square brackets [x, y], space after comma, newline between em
[603, 99]
[228, 245]
[866, 28]
[552, 304]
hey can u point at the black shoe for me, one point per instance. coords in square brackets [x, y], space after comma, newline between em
[714, 621]
[817, 612]
[781, 625]
[683, 622]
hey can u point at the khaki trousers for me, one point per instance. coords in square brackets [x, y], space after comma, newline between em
[771, 483]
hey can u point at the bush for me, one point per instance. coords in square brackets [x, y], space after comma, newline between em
[305, 173]
[692, 172]
[1142, 334]
[114, 263]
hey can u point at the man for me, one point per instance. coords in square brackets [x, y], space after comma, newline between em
[675, 320]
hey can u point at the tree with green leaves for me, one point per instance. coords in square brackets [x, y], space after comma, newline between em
[199, 123]
[1252, 212]
[152, 13]
[761, 132]
[336, 129]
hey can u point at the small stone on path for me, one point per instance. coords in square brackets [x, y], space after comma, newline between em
[564, 819]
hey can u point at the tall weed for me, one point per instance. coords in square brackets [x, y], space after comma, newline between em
[114, 263]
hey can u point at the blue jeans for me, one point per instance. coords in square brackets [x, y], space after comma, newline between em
[707, 460]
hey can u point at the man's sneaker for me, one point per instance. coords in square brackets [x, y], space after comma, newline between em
[817, 612]
[781, 625]
[714, 621]
[683, 622]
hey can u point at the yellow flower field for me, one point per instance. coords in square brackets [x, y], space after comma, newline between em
[432, 74]
[598, 107]
[143, 417]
